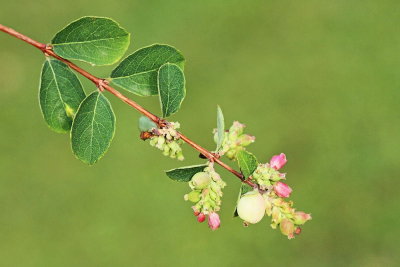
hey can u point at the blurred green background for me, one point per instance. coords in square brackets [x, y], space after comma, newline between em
[318, 80]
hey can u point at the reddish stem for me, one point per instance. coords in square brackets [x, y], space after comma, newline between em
[103, 85]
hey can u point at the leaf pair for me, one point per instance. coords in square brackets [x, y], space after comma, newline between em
[63, 104]
[154, 70]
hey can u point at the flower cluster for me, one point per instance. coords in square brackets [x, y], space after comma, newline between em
[267, 175]
[206, 194]
[234, 140]
[253, 205]
[167, 140]
[284, 215]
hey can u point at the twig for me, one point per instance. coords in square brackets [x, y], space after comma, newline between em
[102, 85]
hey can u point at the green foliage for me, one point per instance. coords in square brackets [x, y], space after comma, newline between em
[60, 94]
[93, 128]
[185, 174]
[220, 127]
[171, 88]
[152, 70]
[98, 41]
[247, 163]
[138, 72]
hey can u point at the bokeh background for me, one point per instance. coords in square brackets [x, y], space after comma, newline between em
[318, 80]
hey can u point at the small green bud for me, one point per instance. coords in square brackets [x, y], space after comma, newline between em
[160, 142]
[301, 217]
[276, 215]
[153, 141]
[193, 196]
[287, 228]
[268, 206]
[180, 156]
[174, 146]
[166, 151]
[213, 195]
[246, 139]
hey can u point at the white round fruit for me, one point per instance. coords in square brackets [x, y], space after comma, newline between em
[251, 207]
[201, 180]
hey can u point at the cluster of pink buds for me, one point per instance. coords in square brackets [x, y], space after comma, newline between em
[267, 175]
[234, 140]
[253, 205]
[206, 195]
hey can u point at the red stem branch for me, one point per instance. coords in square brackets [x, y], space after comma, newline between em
[102, 84]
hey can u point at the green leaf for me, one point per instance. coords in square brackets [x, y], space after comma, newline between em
[171, 88]
[60, 94]
[145, 124]
[244, 188]
[93, 128]
[247, 162]
[185, 174]
[138, 72]
[96, 40]
[220, 128]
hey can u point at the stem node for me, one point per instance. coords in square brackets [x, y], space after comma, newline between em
[103, 84]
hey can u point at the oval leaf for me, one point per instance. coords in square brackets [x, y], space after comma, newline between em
[138, 72]
[145, 124]
[171, 88]
[96, 40]
[185, 174]
[247, 163]
[60, 94]
[220, 128]
[93, 128]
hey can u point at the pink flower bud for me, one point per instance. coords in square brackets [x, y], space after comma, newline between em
[213, 221]
[297, 231]
[245, 140]
[196, 213]
[201, 217]
[301, 217]
[278, 161]
[287, 228]
[282, 189]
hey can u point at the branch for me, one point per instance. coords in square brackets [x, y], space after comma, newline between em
[102, 84]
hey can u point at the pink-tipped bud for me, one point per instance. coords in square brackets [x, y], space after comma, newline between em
[287, 228]
[201, 217]
[278, 161]
[213, 221]
[282, 189]
[301, 217]
[245, 140]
